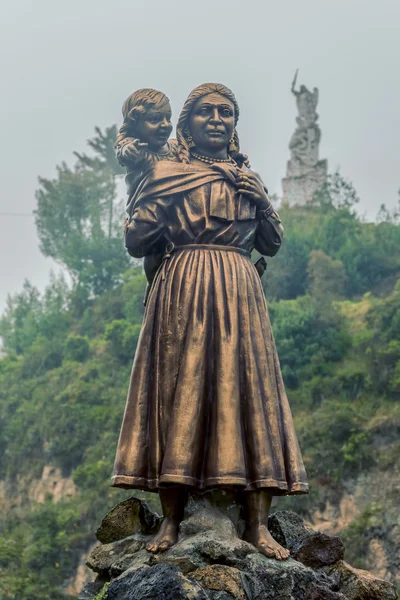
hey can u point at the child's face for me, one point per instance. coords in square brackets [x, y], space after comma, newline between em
[154, 127]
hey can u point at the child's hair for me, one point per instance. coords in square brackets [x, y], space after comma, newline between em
[138, 104]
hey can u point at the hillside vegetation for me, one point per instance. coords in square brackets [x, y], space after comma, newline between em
[67, 355]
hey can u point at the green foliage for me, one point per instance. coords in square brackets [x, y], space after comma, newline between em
[78, 220]
[337, 192]
[357, 535]
[122, 338]
[104, 151]
[368, 251]
[326, 277]
[102, 595]
[307, 342]
[381, 344]
[76, 348]
[29, 316]
[336, 440]
[37, 551]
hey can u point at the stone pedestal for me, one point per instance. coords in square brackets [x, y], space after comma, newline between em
[300, 185]
[210, 561]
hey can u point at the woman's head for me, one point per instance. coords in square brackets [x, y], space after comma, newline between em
[147, 117]
[208, 121]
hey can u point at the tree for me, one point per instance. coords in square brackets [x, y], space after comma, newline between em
[337, 192]
[18, 325]
[326, 277]
[103, 147]
[76, 219]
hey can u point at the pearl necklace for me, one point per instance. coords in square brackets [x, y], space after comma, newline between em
[208, 160]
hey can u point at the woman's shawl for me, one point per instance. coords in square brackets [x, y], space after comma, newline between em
[170, 178]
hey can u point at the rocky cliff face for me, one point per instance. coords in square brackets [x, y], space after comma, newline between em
[210, 561]
[365, 514]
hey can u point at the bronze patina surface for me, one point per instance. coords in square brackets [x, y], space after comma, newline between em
[206, 406]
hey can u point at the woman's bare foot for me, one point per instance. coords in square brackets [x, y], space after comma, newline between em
[165, 538]
[260, 537]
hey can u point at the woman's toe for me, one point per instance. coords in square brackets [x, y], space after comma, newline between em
[164, 546]
[267, 550]
[283, 553]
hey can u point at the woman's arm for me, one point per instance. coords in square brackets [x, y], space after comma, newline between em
[145, 229]
[269, 234]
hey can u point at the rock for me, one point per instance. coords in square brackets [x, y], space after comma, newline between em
[103, 556]
[161, 582]
[287, 579]
[319, 592]
[313, 549]
[132, 562]
[202, 549]
[187, 564]
[127, 518]
[221, 578]
[90, 591]
[319, 550]
[210, 562]
[213, 511]
[357, 584]
[288, 528]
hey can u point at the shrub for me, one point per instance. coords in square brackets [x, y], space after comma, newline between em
[76, 348]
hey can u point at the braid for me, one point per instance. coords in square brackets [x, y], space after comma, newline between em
[183, 147]
[234, 152]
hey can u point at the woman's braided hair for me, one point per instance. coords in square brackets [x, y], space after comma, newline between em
[136, 105]
[182, 129]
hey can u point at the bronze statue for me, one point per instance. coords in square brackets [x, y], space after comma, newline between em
[207, 407]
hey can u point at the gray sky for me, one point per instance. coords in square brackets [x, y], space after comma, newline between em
[67, 66]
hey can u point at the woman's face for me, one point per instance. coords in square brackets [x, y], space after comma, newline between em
[212, 123]
[154, 127]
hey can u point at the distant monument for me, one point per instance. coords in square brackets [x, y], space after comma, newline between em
[305, 173]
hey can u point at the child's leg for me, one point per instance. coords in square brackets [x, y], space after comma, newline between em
[151, 264]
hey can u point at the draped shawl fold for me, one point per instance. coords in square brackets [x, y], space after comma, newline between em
[169, 178]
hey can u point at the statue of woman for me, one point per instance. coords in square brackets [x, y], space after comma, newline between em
[206, 406]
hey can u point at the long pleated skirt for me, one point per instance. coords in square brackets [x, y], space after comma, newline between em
[206, 405]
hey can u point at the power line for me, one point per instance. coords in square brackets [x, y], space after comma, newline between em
[10, 214]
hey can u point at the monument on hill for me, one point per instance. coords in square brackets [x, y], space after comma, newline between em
[305, 173]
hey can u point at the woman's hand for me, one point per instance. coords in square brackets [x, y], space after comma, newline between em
[249, 185]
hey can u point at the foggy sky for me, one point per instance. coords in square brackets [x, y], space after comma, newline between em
[66, 67]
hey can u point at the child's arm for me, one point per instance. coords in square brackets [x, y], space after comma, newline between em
[130, 152]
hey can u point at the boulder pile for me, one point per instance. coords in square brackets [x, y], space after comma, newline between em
[211, 562]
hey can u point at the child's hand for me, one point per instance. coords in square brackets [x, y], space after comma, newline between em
[131, 150]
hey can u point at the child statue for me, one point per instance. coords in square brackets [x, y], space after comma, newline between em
[143, 140]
